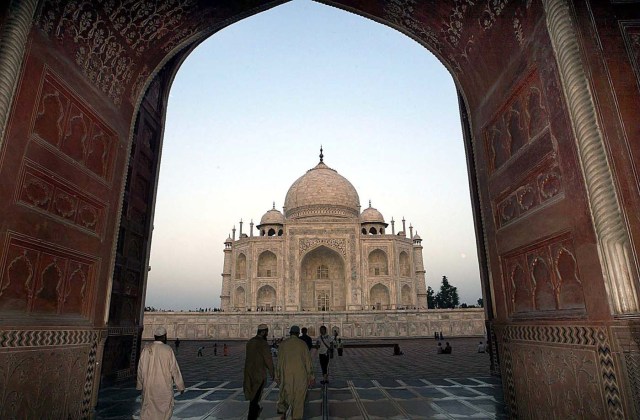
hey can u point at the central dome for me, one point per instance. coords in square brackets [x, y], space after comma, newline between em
[321, 192]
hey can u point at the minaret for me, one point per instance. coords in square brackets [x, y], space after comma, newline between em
[226, 275]
[393, 226]
[240, 229]
[233, 237]
[420, 282]
[404, 227]
[410, 230]
[251, 228]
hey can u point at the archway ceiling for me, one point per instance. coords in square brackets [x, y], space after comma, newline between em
[118, 45]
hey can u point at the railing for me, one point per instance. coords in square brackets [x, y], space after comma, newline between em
[325, 402]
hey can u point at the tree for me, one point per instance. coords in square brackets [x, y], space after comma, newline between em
[447, 297]
[431, 300]
[481, 303]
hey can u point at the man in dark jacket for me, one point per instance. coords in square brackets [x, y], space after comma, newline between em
[257, 361]
[306, 338]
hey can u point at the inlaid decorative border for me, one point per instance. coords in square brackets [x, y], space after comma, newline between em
[39, 338]
[616, 256]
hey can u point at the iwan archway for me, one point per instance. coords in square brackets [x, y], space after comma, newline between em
[548, 98]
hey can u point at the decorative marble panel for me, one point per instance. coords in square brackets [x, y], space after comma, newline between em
[42, 278]
[519, 121]
[335, 244]
[544, 278]
[52, 382]
[66, 125]
[570, 367]
[40, 189]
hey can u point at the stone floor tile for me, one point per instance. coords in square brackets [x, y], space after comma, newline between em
[430, 392]
[193, 410]
[462, 392]
[370, 394]
[419, 409]
[455, 407]
[401, 394]
[344, 410]
[340, 395]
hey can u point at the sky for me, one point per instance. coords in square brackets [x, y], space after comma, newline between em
[248, 112]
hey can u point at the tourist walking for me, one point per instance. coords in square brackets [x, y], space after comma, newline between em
[177, 344]
[225, 349]
[200, 349]
[306, 338]
[215, 349]
[325, 349]
[447, 348]
[481, 348]
[158, 371]
[340, 346]
[294, 374]
[256, 364]
[439, 350]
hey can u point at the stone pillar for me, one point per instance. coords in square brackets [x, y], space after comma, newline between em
[226, 276]
[419, 282]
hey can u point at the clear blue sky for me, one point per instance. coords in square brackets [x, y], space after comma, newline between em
[248, 112]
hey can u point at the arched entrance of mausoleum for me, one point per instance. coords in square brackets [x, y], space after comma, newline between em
[322, 281]
[547, 89]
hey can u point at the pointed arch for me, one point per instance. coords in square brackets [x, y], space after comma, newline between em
[378, 263]
[241, 266]
[267, 264]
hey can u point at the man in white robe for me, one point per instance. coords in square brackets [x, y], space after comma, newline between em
[157, 372]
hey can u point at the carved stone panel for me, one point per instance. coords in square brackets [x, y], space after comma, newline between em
[538, 187]
[67, 126]
[42, 278]
[544, 278]
[563, 371]
[520, 121]
[41, 189]
[47, 373]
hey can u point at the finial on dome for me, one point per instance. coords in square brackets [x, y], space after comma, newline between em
[321, 155]
[274, 206]
[369, 203]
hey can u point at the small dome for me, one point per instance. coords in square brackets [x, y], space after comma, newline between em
[371, 215]
[272, 217]
[417, 237]
[229, 240]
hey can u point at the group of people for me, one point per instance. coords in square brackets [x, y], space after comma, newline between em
[158, 371]
[443, 350]
[225, 349]
[293, 373]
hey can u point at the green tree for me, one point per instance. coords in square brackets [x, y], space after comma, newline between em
[481, 303]
[447, 297]
[431, 300]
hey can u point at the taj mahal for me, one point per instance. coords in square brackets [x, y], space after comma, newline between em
[322, 253]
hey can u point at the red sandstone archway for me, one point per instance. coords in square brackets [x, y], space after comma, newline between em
[548, 93]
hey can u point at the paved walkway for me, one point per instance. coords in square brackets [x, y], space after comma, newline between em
[365, 383]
